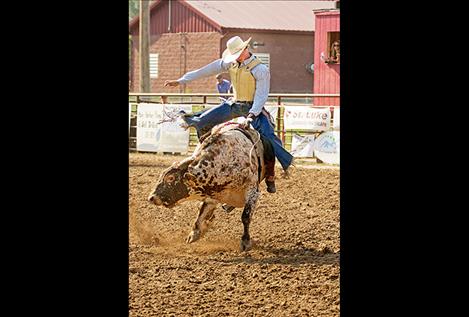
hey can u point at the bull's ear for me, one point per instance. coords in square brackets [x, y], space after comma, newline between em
[190, 179]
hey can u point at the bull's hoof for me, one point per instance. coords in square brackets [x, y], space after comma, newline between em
[245, 245]
[193, 236]
[227, 208]
[271, 186]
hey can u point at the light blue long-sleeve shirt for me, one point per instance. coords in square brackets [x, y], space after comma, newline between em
[260, 72]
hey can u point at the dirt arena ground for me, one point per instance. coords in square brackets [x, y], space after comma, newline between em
[292, 269]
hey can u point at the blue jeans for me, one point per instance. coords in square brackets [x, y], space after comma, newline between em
[205, 120]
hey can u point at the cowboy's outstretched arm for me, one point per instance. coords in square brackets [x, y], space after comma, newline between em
[211, 69]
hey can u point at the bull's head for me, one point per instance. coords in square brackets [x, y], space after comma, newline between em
[171, 187]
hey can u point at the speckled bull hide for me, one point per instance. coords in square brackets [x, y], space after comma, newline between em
[226, 167]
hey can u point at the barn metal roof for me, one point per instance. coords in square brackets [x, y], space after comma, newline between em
[282, 15]
[266, 15]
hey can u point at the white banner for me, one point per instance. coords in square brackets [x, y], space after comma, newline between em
[336, 123]
[130, 114]
[173, 138]
[302, 146]
[153, 136]
[327, 147]
[147, 128]
[273, 110]
[308, 118]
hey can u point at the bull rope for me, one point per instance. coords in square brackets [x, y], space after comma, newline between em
[253, 146]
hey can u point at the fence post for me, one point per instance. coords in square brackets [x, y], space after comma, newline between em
[281, 133]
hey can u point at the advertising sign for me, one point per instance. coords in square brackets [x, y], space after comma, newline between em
[308, 118]
[327, 147]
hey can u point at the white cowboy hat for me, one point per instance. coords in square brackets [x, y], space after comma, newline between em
[234, 47]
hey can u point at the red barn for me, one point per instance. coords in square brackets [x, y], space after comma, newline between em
[185, 35]
[326, 75]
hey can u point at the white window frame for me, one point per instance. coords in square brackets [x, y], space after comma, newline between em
[153, 65]
[264, 58]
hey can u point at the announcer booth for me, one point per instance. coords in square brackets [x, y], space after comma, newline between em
[327, 57]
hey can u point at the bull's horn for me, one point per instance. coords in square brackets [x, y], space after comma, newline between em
[183, 165]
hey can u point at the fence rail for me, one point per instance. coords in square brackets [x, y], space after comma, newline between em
[200, 100]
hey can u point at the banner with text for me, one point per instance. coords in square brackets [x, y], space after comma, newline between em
[130, 114]
[302, 146]
[273, 110]
[156, 136]
[308, 118]
[336, 123]
[327, 147]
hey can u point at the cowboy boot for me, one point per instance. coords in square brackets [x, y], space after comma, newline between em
[270, 176]
[271, 185]
[182, 122]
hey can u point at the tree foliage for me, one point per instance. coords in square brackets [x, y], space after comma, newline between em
[134, 6]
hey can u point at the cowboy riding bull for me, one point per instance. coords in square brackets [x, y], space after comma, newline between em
[226, 168]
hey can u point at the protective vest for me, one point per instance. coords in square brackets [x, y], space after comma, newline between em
[244, 83]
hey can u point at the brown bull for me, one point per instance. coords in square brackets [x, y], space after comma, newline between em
[226, 167]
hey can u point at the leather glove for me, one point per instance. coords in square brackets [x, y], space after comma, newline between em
[248, 121]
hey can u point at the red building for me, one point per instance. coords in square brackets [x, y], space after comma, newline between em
[326, 75]
[186, 35]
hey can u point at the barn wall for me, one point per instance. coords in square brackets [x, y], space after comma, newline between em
[178, 54]
[326, 76]
[289, 56]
